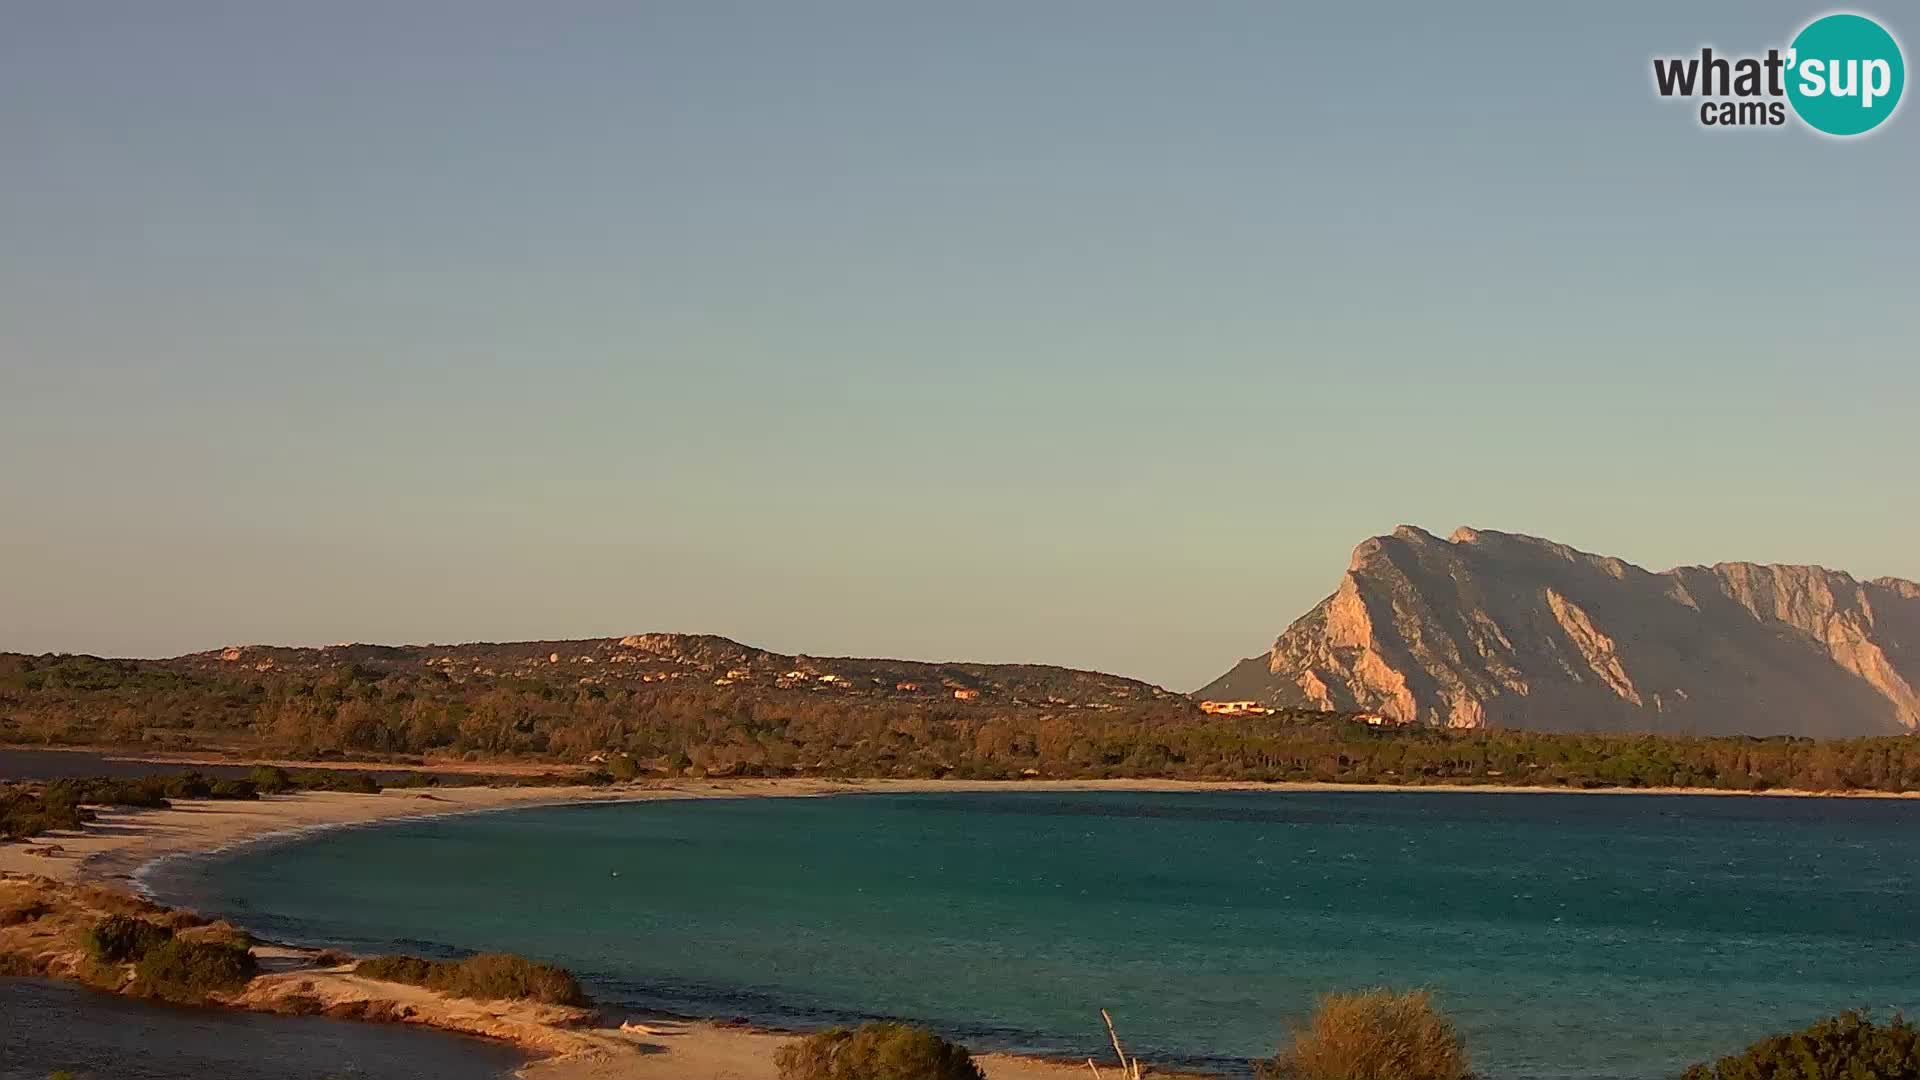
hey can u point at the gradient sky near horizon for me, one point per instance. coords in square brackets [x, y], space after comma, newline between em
[1075, 332]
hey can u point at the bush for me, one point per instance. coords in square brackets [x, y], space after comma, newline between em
[1845, 1046]
[270, 779]
[124, 939]
[180, 970]
[400, 969]
[622, 767]
[188, 785]
[148, 793]
[881, 1051]
[357, 783]
[23, 814]
[1373, 1035]
[485, 977]
[234, 789]
[495, 976]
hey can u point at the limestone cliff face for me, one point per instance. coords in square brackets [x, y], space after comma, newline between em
[1496, 629]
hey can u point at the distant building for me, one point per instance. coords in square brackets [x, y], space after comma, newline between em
[907, 687]
[830, 678]
[964, 694]
[1235, 708]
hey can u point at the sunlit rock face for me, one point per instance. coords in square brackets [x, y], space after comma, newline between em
[1496, 629]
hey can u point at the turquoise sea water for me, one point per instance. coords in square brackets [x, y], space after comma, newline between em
[1571, 936]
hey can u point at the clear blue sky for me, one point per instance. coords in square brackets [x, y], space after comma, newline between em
[1095, 333]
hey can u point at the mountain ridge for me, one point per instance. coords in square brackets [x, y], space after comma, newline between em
[1489, 628]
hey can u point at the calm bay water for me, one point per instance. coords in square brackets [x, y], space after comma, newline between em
[1571, 936]
[47, 1026]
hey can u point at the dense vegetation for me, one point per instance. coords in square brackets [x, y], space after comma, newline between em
[373, 707]
[1845, 1047]
[187, 971]
[877, 1051]
[28, 809]
[1373, 1035]
[125, 939]
[169, 966]
[485, 977]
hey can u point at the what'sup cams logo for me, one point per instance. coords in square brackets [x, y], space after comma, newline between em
[1841, 75]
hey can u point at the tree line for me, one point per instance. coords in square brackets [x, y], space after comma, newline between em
[690, 727]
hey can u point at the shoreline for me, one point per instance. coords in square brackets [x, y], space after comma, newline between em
[126, 844]
[125, 847]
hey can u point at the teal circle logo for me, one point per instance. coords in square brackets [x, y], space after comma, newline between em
[1845, 74]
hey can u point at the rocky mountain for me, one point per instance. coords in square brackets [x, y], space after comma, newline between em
[1492, 629]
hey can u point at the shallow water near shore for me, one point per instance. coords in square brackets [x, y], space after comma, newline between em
[1570, 936]
[47, 1026]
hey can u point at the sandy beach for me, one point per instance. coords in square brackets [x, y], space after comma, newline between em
[114, 851]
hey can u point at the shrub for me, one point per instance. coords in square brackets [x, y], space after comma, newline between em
[181, 970]
[1373, 1035]
[24, 814]
[270, 779]
[188, 785]
[622, 767]
[357, 783]
[485, 977]
[400, 969]
[1844, 1046]
[494, 976]
[880, 1051]
[148, 793]
[122, 939]
[234, 789]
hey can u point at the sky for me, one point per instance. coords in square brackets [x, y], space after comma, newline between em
[1089, 333]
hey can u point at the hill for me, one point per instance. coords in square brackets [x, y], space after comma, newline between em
[671, 705]
[663, 696]
[640, 659]
[1492, 629]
